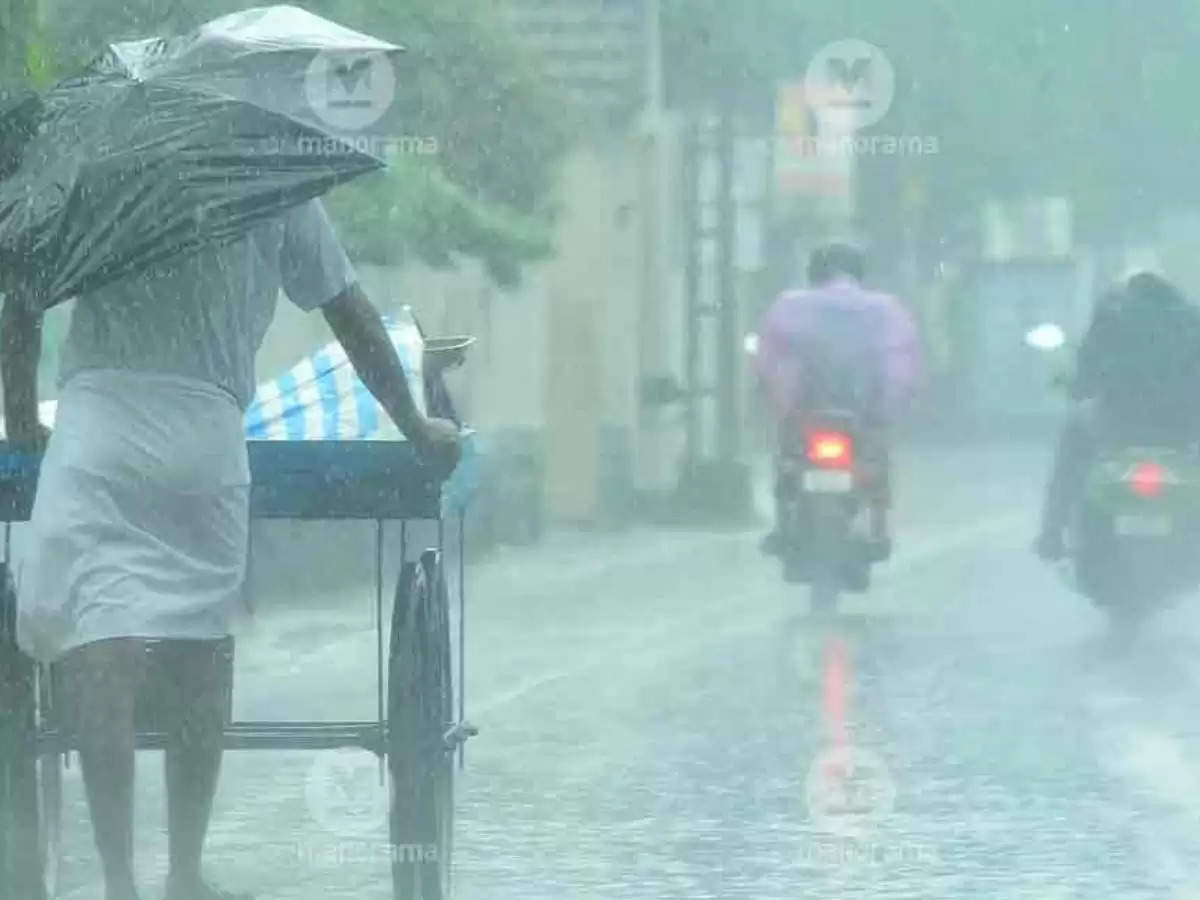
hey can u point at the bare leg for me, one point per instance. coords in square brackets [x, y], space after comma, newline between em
[197, 680]
[102, 679]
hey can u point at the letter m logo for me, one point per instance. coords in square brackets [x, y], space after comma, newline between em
[851, 75]
[349, 83]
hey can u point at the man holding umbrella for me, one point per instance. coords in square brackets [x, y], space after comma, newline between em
[138, 539]
[139, 529]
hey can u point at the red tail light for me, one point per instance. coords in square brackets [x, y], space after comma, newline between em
[1147, 479]
[830, 449]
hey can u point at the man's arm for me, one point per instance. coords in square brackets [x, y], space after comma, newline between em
[360, 330]
[777, 364]
[20, 351]
[314, 268]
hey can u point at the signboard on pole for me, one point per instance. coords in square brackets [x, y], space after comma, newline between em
[1034, 228]
[809, 164]
[751, 160]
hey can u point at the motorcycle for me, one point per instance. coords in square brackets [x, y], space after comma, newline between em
[824, 517]
[1131, 540]
[1132, 544]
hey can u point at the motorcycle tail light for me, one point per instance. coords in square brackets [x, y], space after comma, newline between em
[830, 449]
[1147, 479]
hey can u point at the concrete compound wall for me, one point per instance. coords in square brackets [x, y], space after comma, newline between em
[560, 359]
[592, 324]
[501, 384]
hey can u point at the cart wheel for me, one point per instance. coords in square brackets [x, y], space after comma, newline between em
[420, 711]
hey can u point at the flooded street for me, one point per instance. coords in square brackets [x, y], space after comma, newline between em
[271, 272]
[661, 719]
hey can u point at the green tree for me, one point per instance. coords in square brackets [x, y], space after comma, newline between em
[470, 94]
[21, 57]
[1087, 100]
[499, 131]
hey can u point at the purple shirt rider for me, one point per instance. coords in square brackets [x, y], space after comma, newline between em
[839, 344]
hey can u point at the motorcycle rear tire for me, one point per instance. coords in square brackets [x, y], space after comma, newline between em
[1101, 571]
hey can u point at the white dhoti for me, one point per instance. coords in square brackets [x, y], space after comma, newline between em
[140, 523]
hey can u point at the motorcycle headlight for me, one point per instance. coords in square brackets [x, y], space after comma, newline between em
[1047, 336]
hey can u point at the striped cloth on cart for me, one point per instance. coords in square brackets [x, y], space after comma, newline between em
[321, 398]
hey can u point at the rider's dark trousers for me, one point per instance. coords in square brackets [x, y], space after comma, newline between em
[1076, 448]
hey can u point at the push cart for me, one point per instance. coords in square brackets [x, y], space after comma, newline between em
[419, 725]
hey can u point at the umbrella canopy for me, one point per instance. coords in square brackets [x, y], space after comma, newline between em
[170, 144]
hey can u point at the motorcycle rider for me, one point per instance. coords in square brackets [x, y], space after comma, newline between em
[1137, 378]
[840, 345]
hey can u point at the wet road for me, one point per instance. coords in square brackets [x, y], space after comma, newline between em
[661, 720]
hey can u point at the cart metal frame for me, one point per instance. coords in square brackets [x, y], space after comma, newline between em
[419, 726]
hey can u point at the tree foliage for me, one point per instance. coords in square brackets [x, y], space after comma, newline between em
[466, 89]
[1087, 100]
[438, 219]
[499, 132]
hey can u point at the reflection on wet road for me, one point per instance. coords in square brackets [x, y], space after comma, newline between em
[661, 719]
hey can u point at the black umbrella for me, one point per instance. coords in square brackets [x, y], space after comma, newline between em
[169, 144]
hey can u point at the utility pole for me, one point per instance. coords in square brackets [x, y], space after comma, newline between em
[653, 468]
[691, 295]
[714, 482]
[727, 356]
